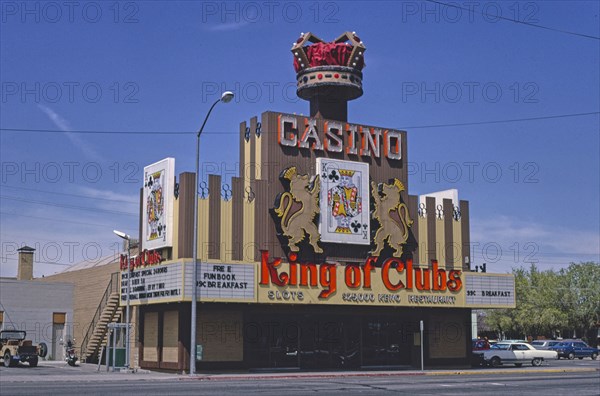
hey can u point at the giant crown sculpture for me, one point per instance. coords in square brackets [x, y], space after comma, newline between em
[329, 70]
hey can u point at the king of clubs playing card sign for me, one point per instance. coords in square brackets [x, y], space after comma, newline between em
[344, 201]
[158, 204]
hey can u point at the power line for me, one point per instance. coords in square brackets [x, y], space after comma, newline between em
[502, 121]
[92, 132]
[517, 21]
[65, 221]
[66, 206]
[38, 262]
[69, 194]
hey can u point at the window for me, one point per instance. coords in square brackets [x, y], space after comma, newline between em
[59, 318]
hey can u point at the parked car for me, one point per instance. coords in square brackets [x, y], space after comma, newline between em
[477, 348]
[516, 353]
[15, 348]
[575, 348]
[480, 345]
[544, 344]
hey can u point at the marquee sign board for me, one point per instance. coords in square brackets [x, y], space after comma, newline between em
[157, 225]
[344, 201]
[218, 282]
[490, 290]
[397, 283]
[153, 284]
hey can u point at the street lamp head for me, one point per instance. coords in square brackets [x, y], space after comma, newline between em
[227, 96]
[121, 235]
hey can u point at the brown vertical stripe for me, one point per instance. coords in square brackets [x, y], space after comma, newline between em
[242, 164]
[431, 237]
[214, 217]
[413, 210]
[448, 234]
[404, 161]
[186, 215]
[251, 162]
[262, 218]
[466, 234]
[237, 217]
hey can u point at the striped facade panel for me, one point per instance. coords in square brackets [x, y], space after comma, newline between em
[448, 248]
[214, 217]
[431, 234]
[185, 226]
[465, 234]
[237, 218]
[413, 210]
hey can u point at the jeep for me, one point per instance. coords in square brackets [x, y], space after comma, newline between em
[14, 348]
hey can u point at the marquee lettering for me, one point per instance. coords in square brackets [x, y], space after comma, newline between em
[338, 137]
[145, 258]
[395, 275]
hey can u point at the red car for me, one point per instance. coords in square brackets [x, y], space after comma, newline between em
[480, 345]
[476, 355]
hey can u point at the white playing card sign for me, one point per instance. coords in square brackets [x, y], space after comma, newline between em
[344, 201]
[157, 227]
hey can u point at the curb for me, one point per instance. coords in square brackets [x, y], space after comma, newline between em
[525, 371]
[371, 374]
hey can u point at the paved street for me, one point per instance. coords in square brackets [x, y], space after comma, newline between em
[579, 377]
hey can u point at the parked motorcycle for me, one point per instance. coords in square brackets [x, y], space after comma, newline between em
[70, 355]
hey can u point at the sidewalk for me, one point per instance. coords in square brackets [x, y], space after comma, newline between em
[52, 371]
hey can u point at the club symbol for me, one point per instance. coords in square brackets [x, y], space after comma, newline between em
[334, 176]
[355, 226]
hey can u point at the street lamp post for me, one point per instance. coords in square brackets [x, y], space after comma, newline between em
[225, 98]
[128, 239]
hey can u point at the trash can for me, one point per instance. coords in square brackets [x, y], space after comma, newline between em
[119, 357]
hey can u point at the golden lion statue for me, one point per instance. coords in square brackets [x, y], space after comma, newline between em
[392, 215]
[297, 209]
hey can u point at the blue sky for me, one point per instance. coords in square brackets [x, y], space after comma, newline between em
[143, 66]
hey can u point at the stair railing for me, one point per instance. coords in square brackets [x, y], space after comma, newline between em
[112, 287]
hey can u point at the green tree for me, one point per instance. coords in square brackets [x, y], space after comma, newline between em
[549, 301]
[582, 299]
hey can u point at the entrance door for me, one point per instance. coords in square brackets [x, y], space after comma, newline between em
[270, 342]
[385, 342]
[58, 335]
[329, 342]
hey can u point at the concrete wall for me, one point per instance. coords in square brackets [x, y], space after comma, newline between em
[29, 306]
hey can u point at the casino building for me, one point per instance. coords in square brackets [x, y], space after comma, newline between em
[316, 256]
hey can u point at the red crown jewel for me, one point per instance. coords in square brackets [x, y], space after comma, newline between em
[347, 50]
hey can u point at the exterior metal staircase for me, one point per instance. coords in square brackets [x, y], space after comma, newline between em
[108, 311]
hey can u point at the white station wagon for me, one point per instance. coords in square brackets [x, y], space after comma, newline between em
[516, 353]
